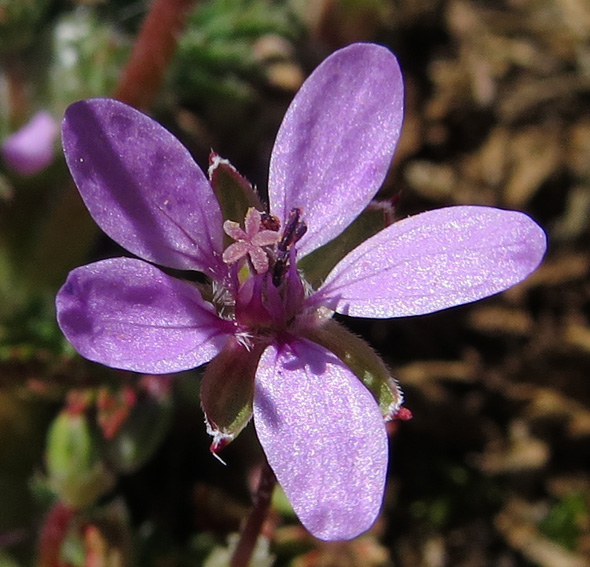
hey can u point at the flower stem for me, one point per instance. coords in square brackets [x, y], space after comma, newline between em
[251, 531]
[154, 48]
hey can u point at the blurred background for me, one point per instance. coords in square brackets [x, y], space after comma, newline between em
[100, 468]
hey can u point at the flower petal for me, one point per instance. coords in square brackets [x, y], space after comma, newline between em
[317, 265]
[32, 148]
[126, 313]
[336, 141]
[142, 186]
[324, 437]
[435, 260]
[362, 360]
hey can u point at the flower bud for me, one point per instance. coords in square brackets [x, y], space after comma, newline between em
[76, 472]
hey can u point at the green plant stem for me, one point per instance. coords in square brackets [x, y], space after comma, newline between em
[251, 531]
[153, 50]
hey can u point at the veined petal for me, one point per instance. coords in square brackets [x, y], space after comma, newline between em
[336, 141]
[126, 313]
[435, 260]
[324, 437]
[142, 186]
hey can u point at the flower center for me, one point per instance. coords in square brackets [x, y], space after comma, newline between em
[269, 292]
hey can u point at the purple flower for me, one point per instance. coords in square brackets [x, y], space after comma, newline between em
[317, 394]
[31, 149]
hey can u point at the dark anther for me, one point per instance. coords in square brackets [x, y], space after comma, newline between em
[269, 222]
[294, 230]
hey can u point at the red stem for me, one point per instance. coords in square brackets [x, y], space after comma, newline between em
[55, 529]
[154, 48]
[251, 531]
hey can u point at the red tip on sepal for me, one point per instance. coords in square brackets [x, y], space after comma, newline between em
[219, 444]
[403, 414]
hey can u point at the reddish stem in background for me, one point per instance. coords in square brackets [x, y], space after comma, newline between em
[249, 536]
[154, 48]
[18, 98]
[55, 528]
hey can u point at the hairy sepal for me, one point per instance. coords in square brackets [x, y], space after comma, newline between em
[363, 361]
[227, 391]
[234, 193]
[317, 265]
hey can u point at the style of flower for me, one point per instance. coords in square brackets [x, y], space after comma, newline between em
[318, 395]
[31, 149]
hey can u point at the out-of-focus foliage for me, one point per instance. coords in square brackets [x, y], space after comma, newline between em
[230, 48]
[88, 53]
[20, 23]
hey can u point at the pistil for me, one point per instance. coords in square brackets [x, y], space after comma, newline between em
[252, 242]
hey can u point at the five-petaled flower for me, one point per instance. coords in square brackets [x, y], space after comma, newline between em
[317, 394]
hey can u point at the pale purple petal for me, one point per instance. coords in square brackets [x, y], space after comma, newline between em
[336, 141]
[31, 149]
[126, 313]
[323, 436]
[142, 186]
[435, 260]
[234, 230]
[235, 251]
[252, 222]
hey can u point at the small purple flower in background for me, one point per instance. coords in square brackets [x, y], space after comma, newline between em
[317, 394]
[32, 148]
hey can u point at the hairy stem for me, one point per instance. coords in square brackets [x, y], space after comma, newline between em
[251, 531]
[154, 48]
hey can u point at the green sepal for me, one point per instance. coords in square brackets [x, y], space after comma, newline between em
[74, 466]
[317, 265]
[362, 360]
[227, 391]
[234, 193]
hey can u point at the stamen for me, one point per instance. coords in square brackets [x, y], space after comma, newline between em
[270, 222]
[295, 228]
